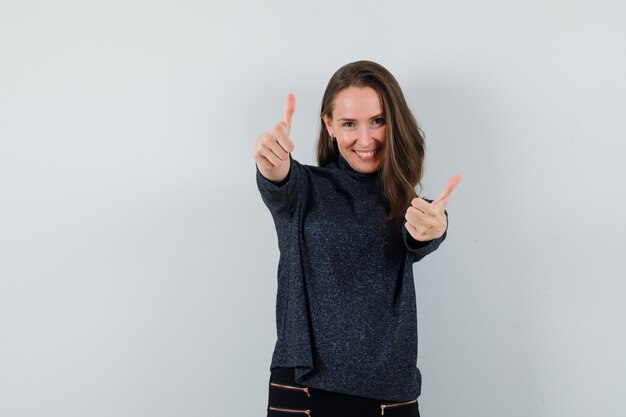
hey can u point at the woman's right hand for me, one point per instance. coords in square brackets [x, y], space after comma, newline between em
[271, 150]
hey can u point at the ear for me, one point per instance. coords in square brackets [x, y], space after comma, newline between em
[328, 122]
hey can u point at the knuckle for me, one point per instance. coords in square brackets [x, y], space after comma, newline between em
[265, 138]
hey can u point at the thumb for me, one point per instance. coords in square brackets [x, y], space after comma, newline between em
[447, 191]
[290, 108]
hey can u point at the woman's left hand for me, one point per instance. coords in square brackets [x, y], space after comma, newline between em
[426, 221]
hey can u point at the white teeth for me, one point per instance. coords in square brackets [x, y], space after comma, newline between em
[365, 154]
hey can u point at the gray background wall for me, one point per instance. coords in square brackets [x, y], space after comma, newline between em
[138, 262]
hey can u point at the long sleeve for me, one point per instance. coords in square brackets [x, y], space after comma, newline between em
[280, 198]
[421, 249]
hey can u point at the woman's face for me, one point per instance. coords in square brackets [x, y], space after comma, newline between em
[358, 123]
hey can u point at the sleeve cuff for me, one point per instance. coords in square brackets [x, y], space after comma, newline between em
[419, 248]
[274, 186]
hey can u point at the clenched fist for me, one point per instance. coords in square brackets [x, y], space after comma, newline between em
[426, 221]
[271, 150]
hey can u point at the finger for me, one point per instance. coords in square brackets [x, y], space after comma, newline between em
[270, 156]
[417, 218]
[418, 234]
[447, 191]
[421, 205]
[281, 136]
[287, 144]
[268, 147]
[290, 108]
[264, 162]
[278, 149]
[412, 229]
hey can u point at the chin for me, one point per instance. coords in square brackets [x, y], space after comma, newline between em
[366, 164]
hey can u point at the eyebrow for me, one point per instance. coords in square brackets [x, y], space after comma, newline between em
[352, 120]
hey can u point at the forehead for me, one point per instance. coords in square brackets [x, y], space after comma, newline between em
[355, 102]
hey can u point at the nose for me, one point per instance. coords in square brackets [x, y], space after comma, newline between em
[365, 137]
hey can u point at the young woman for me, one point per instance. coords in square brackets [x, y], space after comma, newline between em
[349, 232]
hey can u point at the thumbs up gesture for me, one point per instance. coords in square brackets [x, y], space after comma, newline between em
[426, 221]
[272, 148]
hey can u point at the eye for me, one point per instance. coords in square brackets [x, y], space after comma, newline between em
[347, 124]
[378, 121]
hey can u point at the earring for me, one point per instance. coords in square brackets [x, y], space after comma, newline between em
[332, 138]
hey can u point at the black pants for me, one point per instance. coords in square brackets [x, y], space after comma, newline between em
[289, 399]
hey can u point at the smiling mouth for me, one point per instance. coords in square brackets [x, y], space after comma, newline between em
[366, 156]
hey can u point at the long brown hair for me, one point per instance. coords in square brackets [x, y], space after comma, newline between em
[403, 158]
